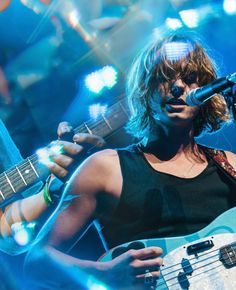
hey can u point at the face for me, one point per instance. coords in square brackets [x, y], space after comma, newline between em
[171, 108]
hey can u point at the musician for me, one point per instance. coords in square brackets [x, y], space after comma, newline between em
[165, 185]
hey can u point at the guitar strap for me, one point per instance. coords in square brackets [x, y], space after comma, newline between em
[220, 159]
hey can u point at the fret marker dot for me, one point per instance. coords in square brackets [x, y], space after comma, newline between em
[27, 171]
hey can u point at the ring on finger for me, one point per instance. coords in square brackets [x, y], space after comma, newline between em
[148, 277]
[55, 148]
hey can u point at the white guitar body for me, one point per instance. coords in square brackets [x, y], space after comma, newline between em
[208, 271]
[210, 257]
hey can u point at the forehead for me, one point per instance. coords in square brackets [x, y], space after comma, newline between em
[176, 51]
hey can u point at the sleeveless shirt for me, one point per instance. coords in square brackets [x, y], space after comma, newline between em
[155, 204]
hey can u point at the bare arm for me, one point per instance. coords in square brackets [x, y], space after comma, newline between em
[31, 208]
[94, 176]
[90, 179]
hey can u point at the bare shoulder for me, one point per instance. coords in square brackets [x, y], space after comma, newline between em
[97, 172]
[102, 159]
[231, 158]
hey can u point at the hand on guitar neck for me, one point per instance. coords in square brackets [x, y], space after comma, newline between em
[65, 154]
[29, 171]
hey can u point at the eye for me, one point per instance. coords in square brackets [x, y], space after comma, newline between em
[190, 78]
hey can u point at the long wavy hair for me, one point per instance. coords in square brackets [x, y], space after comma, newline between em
[153, 66]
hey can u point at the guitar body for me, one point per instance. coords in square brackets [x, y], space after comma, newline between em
[209, 257]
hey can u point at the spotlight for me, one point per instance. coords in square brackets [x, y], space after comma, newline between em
[173, 23]
[23, 232]
[100, 79]
[190, 17]
[229, 6]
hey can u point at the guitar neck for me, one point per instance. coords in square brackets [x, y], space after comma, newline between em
[19, 177]
[28, 172]
[114, 118]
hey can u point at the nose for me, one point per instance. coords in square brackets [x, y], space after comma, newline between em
[176, 91]
[177, 88]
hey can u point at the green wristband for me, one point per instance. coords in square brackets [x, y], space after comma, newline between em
[46, 195]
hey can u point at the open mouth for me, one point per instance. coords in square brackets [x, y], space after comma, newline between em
[176, 102]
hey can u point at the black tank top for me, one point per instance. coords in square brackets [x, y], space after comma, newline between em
[155, 204]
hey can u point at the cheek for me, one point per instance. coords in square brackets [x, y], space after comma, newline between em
[163, 89]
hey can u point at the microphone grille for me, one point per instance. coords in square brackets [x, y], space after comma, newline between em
[191, 99]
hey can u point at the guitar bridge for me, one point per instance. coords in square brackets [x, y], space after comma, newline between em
[228, 255]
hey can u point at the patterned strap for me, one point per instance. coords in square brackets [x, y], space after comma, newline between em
[220, 158]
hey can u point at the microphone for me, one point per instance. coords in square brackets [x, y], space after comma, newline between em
[199, 96]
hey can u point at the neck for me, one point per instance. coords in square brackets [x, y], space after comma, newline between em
[166, 143]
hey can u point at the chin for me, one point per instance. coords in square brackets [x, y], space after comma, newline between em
[176, 120]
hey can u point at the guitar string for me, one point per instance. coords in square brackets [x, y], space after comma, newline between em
[22, 165]
[188, 278]
[198, 262]
[208, 256]
[193, 258]
[77, 130]
[185, 267]
[92, 124]
[232, 246]
[15, 177]
[193, 264]
[89, 125]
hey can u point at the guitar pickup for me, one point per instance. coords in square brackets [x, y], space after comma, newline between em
[186, 266]
[183, 281]
[200, 247]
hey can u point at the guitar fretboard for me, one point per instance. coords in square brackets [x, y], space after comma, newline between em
[26, 173]
[18, 177]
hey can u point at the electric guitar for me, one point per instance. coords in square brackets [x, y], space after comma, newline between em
[203, 260]
[29, 171]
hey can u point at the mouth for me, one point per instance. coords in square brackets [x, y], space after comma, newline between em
[176, 102]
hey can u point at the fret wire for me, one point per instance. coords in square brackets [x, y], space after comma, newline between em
[16, 177]
[93, 123]
[87, 128]
[111, 116]
[9, 182]
[9, 193]
[106, 121]
[17, 181]
[3, 197]
[23, 165]
[21, 175]
[10, 170]
[32, 166]
[101, 125]
[19, 186]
